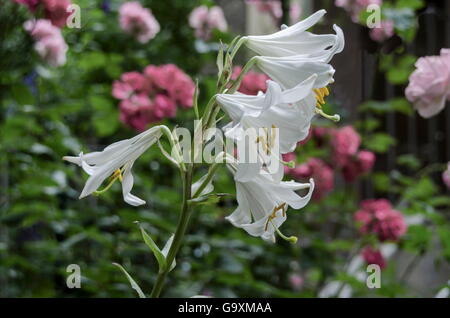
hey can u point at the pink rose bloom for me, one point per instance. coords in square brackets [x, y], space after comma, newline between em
[138, 21]
[56, 11]
[178, 85]
[163, 107]
[446, 176]
[49, 42]
[384, 32]
[204, 21]
[345, 142]
[429, 84]
[358, 165]
[372, 256]
[314, 168]
[136, 111]
[252, 83]
[379, 218]
[129, 83]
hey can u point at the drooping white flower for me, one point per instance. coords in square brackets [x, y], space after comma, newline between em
[289, 71]
[289, 112]
[263, 202]
[295, 40]
[116, 161]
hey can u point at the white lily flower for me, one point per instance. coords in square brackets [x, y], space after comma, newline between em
[289, 71]
[116, 161]
[295, 40]
[288, 111]
[262, 204]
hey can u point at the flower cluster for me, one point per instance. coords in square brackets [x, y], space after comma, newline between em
[429, 84]
[54, 10]
[298, 63]
[379, 218]
[273, 8]
[344, 144]
[252, 82]
[153, 95]
[49, 42]
[379, 33]
[204, 20]
[138, 21]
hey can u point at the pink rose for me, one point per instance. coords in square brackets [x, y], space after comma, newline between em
[273, 8]
[372, 256]
[252, 83]
[314, 168]
[384, 32]
[56, 11]
[204, 21]
[429, 84]
[163, 107]
[379, 218]
[31, 4]
[138, 21]
[136, 111]
[358, 165]
[345, 142]
[49, 42]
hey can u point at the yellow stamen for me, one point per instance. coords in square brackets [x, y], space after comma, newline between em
[273, 215]
[117, 174]
[321, 93]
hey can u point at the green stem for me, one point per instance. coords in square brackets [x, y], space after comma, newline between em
[179, 233]
[211, 172]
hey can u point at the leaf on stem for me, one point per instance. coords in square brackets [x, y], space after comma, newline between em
[155, 249]
[133, 283]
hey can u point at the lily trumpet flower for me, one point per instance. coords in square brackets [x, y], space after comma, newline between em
[263, 202]
[288, 112]
[115, 162]
[295, 40]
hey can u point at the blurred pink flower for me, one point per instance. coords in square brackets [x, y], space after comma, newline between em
[379, 218]
[446, 176]
[49, 42]
[373, 256]
[358, 165]
[296, 281]
[355, 7]
[252, 83]
[54, 10]
[138, 21]
[345, 143]
[429, 84]
[129, 83]
[136, 111]
[204, 20]
[178, 85]
[314, 168]
[384, 32]
[152, 96]
[163, 107]
[273, 8]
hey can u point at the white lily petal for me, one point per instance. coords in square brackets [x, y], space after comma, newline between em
[127, 185]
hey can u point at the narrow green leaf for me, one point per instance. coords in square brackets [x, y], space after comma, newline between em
[165, 251]
[133, 283]
[155, 249]
[220, 60]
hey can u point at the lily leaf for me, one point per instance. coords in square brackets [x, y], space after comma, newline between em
[155, 249]
[220, 61]
[165, 251]
[133, 283]
[196, 100]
